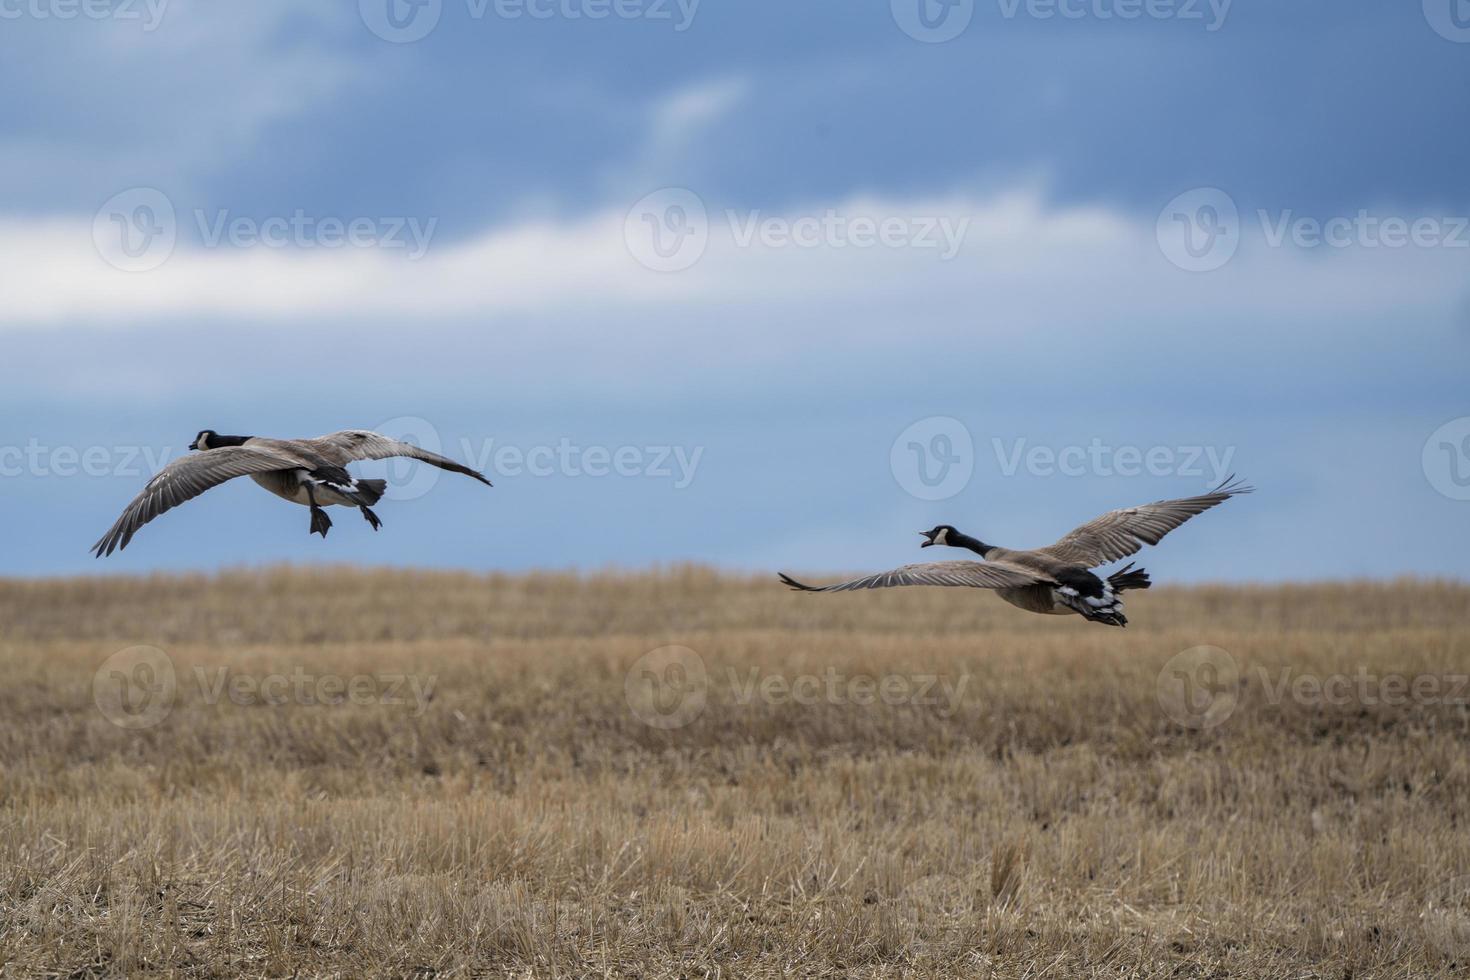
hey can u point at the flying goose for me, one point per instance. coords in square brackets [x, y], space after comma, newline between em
[310, 472]
[1057, 579]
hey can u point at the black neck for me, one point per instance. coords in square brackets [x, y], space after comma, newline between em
[215, 442]
[959, 540]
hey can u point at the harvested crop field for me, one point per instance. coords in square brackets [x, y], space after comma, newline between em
[341, 772]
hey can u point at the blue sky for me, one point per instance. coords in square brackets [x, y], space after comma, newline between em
[783, 243]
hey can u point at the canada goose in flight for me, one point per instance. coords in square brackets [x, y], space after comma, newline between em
[310, 472]
[1056, 579]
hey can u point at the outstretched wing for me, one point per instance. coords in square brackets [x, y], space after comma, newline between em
[184, 479]
[973, 574]
[365, 444]
[1120, 533]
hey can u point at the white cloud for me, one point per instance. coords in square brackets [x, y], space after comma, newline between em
[1021, 263]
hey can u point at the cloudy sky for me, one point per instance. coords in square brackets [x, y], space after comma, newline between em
[761, 284]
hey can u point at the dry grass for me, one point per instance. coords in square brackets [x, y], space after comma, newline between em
[1053, 820]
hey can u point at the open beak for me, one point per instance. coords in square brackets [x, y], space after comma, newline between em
[928, 539]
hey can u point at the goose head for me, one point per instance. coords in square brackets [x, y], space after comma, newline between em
[210, 439]
[938, 535]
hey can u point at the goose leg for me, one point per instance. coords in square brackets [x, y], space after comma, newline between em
[370, 517]
[320, 522]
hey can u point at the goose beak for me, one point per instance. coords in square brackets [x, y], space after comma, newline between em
[928, 539]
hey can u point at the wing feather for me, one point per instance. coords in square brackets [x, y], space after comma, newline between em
[1120, 533]
[966, 574]
[184, 479]
[365, 444]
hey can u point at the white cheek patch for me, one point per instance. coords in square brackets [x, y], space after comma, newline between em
[942, 537]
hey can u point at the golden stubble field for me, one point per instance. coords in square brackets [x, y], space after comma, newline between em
[683, 774]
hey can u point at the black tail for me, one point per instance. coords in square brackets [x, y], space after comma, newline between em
[1092, 609]
[371, 491]
[1124, 579]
